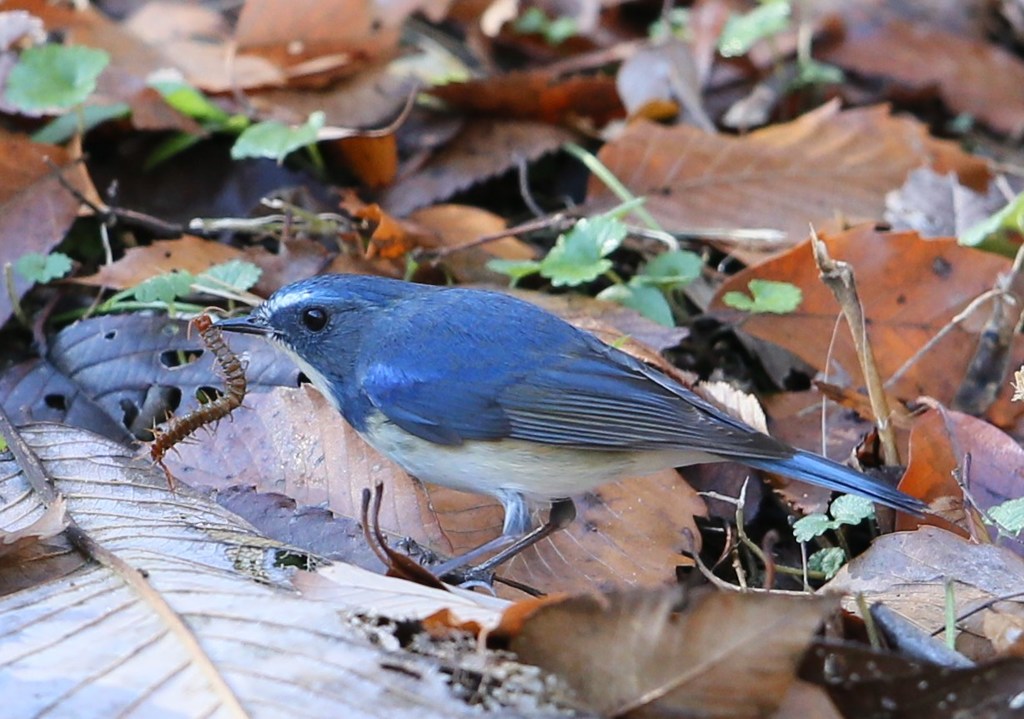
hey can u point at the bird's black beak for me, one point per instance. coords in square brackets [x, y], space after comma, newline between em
[251, 324]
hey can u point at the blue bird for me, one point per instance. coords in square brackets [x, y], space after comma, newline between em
[486, 393]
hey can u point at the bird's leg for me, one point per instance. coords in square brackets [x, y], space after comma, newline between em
[562, 513]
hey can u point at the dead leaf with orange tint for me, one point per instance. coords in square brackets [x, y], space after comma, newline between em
[910, 288]
[389, 238]
[295, 443]
[537, 95]
[786, 176]
[481, 150]
[973, 76]
[190, 253]
[908, 572]
[454, 226]
[944, 443]
[670, 653]
[35, 209]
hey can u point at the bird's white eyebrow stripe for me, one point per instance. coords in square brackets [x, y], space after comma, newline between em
[281, 301]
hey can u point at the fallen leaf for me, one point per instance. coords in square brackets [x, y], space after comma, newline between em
[910, 289]
[944, 443]
[782, 177]
[482, 150]
[666, 653]
[973, 76]
[908, 572]
[937, 205]
[199, 588]
[35, 209]
[536, 95]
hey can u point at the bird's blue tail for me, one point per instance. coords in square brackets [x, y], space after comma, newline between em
[808, 467]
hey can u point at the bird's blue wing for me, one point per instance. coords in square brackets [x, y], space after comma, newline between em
[508, 370]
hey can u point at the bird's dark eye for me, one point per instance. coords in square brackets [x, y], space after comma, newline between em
[315, 318]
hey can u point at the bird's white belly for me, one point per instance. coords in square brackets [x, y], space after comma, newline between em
[536, 470]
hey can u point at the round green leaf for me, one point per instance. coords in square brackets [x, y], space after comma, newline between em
[52, 76]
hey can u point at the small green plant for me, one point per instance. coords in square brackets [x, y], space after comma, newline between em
[40, 268]
[554, 30]
[846, 509]
[275, 140]
[581, 256]
[743, 30]
[765, 22]
[1009, 515]
[55, 76]
[164, 291]
[766, 296]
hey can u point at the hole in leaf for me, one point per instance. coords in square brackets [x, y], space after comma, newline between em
[110, 335]
[179, 358]
[56, 401]
[208, 394]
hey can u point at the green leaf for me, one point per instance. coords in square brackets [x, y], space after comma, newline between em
[51, 76]
[766, 296]
[275, 140]
[851, 509]
[515, 269]
[235, 274]
[39, 268]
[812, 72]
[813, 525]
[1009, 515]
[741, 32]
[561, 29]
[648, 301]
[578, 255]
[164, 288]
[999, 233]
[189, 101]
[672, 269]
[532, 21]
[829, 561]
[63, 128]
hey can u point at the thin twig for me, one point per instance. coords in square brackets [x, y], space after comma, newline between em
[838, 276]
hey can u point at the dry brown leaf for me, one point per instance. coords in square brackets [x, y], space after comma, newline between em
[536, 95]
[825, 163]
[641, 651]
[937, 205]
[483, 149]
[910, 288]
[908, 570]
[190, 253]
[973, 76]
[455, 225]
[940, 444]
[35, 209]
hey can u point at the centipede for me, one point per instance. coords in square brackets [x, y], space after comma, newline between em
[210, 412]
